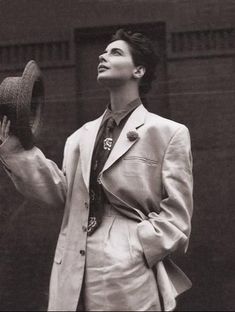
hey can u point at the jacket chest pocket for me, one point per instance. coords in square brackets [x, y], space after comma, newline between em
[137, 165]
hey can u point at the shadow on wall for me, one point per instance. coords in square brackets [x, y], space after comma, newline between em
[27, 248]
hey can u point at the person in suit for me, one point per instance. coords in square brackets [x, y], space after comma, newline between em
[126, 189]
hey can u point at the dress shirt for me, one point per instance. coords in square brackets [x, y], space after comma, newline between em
[97, 196]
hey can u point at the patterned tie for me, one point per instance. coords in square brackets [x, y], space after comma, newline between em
[100, 155]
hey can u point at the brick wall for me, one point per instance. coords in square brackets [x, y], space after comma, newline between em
[202, 96]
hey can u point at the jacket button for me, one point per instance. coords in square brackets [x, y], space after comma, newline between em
[82, 252]
[84, 228]
[86, 204]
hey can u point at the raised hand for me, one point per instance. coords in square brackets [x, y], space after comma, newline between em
[4, 129]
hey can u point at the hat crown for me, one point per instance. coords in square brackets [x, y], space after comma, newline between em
[9, 90]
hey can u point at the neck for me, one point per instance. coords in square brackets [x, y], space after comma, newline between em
[121, 96]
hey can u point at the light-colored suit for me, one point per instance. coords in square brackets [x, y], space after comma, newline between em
[148, 179]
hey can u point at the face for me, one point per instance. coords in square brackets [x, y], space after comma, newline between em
[116, 65]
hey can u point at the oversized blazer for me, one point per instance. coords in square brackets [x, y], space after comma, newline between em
[148, 179]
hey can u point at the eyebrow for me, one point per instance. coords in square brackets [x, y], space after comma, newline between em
[114, 50]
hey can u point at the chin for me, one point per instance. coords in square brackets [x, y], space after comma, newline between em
[103, 76]
[108, 82]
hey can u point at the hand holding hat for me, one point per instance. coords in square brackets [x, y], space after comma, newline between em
[21, 102]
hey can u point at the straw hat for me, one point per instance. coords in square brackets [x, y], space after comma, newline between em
[22, 100]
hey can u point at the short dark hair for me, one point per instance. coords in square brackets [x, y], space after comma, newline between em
[143, 53]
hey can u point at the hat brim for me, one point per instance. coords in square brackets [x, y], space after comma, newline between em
[27, 104]
[30, 103]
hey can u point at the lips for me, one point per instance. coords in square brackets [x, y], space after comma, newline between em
[102, 67]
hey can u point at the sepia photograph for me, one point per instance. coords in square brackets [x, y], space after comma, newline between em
[117, 155]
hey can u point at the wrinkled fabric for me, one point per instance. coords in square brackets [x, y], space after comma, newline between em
[117, 277]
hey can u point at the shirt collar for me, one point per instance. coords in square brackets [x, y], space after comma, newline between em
[119, 115]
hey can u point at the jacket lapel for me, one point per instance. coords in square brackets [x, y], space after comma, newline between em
[87, 147]
[123, 144]
[121, 147]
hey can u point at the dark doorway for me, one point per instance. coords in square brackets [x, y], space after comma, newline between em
[92, 98]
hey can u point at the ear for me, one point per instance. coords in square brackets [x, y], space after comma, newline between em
[139, 72]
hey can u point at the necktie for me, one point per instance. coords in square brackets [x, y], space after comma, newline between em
[100, 155]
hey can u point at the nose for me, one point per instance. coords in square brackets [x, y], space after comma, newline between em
[102, 58]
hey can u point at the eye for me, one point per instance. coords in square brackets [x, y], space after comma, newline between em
[116, 52]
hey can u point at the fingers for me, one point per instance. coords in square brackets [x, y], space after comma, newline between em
[4, 128]
[4, 124]
[7, 129]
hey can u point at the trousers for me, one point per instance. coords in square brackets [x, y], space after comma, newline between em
[117, 277]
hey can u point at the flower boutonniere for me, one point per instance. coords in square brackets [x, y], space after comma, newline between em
[132, 135]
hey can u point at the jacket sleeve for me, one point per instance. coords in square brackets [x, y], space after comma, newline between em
[168, 231]
[35, 176]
